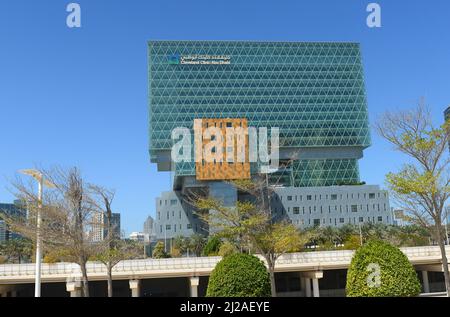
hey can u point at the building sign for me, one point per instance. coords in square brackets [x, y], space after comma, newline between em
[197, 59]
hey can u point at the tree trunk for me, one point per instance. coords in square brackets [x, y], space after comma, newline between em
[110, 280]
[271, 267]
[444, 260]
[84, 279]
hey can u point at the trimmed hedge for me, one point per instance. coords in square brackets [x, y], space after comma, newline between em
[397, 276]
[239, 275]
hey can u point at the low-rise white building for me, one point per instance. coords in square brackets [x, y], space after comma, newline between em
[305, 207]
[137, 236]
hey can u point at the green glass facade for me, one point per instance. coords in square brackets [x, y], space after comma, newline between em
[313, 92]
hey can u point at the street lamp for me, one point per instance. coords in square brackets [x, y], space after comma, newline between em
[41, 182]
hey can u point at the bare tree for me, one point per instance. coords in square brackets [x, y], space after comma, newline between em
[66, 217]
[421, 187]
[114, 249]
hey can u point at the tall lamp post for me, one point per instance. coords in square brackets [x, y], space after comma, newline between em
[41, 182]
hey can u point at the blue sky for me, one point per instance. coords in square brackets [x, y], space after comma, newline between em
[78, 97]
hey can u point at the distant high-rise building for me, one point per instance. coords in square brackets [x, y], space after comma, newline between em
[99, 230]
[447, 113]
[149, 229]
[17, 209]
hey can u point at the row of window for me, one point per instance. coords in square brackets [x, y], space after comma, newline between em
[333, 196]
[168, 213]
[172, 202]
[340, 221]
[169, 227]
[314, 222]
[353, 208]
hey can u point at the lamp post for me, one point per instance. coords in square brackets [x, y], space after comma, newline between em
[41, 182]
[447, 216]
[360, 234]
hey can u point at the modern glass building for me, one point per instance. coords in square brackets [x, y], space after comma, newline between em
[17, 209]
[313, 92]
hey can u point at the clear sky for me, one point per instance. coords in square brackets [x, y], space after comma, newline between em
[78, 97]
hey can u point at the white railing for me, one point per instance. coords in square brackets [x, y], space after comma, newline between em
[192, 265]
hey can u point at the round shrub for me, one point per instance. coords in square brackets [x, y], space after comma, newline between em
[239, 275]
[379, 269]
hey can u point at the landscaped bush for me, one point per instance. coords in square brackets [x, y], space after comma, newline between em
[239, 275]
[397, 276]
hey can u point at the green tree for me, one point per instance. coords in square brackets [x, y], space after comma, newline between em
[180, 245]
[227, 248]
[159, 251]
[379, 269]
[17, 250]
[239, 275]
[422, 186]
[196, 242]
[251, 224]
[212, 247]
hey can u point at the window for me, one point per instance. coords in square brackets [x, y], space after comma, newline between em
[296, 210]
[173, 202]
[354, 208]
[361, 219]
[316, 222]
[168, 227]
[289, 198]
[308, 197]
[189, 226]
[341, 220]
[371, 196]
[380, 218]
[333, 197]
[229, 124]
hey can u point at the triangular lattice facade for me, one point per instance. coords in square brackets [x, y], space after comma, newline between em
[313, 92]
